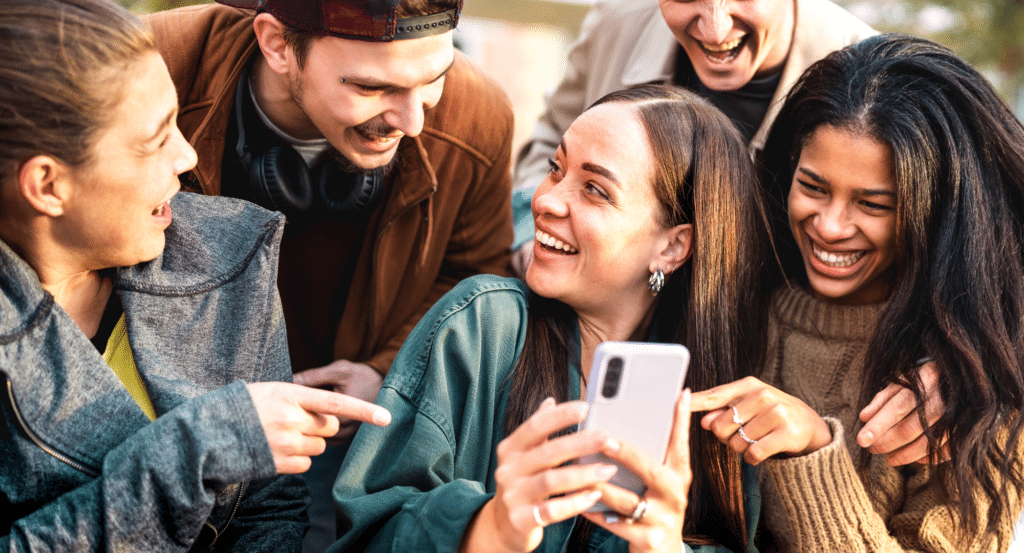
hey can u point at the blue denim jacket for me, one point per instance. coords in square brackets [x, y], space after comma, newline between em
[81, 466]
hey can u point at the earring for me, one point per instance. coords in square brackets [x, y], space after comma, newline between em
[656, 282]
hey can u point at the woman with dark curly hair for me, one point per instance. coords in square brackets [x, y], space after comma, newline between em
[903, 173]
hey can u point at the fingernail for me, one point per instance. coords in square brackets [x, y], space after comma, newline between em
[865, 437]
[584, 409]
[606, 471]
[611, 444]
[382, 417]
[548, 402]
[593, 496]
[611, 518]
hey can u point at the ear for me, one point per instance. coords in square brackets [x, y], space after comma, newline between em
[270, 35]
[677, 250]
[44, 183]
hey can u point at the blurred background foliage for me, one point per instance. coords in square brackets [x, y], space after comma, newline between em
[990, 35]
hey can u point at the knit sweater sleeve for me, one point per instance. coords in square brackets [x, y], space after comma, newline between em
[823, 504]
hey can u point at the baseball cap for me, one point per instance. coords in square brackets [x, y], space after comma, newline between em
[369, 20]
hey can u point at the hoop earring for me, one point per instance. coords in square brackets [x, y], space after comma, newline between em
[656, 282]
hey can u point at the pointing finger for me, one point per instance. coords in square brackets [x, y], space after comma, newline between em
[340, 405]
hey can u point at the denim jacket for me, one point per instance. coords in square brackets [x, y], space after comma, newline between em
[81, 466]
[417, 483]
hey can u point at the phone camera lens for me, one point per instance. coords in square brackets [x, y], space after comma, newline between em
[612, 376]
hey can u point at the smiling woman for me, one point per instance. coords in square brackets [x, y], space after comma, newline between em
[139, 329]
[842, 214]
[904, 178]
[649, 227]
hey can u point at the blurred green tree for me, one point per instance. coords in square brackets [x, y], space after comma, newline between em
[989, 35]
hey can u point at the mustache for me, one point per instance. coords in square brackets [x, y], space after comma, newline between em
[378, 128]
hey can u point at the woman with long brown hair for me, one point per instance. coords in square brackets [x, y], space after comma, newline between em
[649, 185]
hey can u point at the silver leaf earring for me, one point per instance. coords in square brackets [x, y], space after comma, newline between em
[656, 282]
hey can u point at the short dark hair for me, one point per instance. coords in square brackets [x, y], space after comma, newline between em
[300, 40]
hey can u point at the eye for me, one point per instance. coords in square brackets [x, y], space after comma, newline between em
[811, 189]
[553, 169]
[368, 89]
[876, 207]
[165, 140]
[596, 190]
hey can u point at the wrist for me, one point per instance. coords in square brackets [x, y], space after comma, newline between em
[482, 533]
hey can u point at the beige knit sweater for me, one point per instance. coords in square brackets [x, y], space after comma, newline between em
[821, 502]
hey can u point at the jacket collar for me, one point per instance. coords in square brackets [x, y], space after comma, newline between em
[61, 384]
[815, 35]
[653, 58]
[22, 298]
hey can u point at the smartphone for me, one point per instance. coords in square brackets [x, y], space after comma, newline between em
[632, 391]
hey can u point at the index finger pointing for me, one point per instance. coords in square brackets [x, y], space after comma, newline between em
[341, 405]
[719, 396]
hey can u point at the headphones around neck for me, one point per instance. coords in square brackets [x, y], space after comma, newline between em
[279, 178]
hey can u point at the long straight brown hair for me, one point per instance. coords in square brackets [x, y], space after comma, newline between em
[715, 304]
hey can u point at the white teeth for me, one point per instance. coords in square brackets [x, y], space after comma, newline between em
[722, 47]
[552, 242]
[834, 259]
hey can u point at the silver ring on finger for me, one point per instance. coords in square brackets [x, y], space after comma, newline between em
[536, 516]
[736, 416]
[744, 436]
[638, 512]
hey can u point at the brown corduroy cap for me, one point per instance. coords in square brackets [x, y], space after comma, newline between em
[369, 20]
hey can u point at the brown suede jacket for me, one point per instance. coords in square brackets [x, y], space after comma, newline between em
[446, 216]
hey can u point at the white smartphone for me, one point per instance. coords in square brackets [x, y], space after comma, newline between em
[632, 391]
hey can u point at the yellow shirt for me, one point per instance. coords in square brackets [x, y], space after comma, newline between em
[119, 356]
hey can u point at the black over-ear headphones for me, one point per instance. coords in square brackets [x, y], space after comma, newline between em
[280, 179]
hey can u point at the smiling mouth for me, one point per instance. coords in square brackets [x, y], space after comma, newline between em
[377, 138]
[554, 244]
[836, 260]
[725, 52]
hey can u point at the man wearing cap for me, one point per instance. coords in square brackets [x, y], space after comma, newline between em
[332, 112]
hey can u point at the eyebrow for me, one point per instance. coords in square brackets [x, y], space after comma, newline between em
[372, 82]
[592, 167]
[860, 191]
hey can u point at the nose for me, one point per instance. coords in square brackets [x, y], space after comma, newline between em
[715, 22]
[186, 158]
[406, 112]
[549, 199]
[834, 222]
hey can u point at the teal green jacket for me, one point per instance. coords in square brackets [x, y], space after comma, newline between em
[415, 484]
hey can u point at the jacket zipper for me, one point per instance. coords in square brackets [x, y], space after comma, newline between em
[39, 442]
[234, 510]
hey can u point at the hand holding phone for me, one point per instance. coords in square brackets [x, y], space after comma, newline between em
[632, 391]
